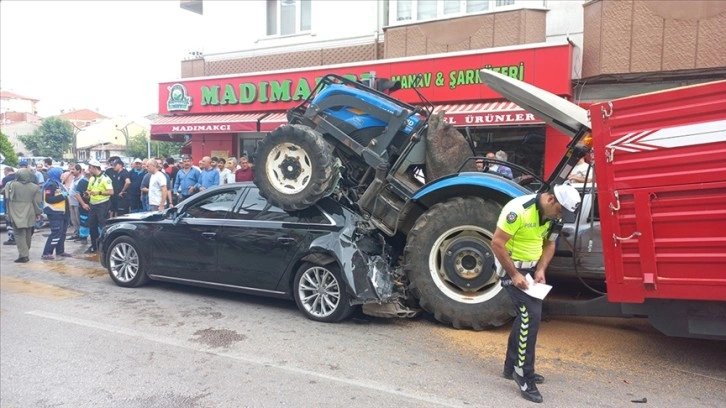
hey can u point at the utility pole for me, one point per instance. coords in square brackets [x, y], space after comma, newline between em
[125, 131]
[74, 147]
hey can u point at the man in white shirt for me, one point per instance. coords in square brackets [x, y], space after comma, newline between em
[492, 166]
[580, 170]
[224, 172]
[157, 187]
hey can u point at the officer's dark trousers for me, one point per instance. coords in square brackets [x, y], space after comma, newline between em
[58, 228]
[97, 219]
[523, 337]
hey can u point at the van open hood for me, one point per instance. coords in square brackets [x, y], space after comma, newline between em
[557, 112]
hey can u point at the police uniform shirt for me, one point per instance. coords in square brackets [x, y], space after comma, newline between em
[99, 184]
[520, 218]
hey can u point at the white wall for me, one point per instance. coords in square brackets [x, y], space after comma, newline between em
[107, 131]
[13, 130]
[565, 20]
[232, 27]
[16, 105]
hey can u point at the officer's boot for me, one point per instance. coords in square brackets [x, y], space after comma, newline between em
[528, 388]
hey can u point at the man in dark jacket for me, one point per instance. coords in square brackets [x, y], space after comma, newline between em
[22, 201]
[133, 193]
[121, 183]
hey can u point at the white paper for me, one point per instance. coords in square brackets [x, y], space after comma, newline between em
[536, 290]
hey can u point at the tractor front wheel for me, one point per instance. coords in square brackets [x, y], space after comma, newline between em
[293, 168]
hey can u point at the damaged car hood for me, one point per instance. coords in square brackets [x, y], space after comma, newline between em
[561, 114]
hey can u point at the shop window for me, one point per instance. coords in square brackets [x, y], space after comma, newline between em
[421, 10]
[287, 17]
[525, 145]
[248, 148]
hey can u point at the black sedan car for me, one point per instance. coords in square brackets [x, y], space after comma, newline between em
[325, 257]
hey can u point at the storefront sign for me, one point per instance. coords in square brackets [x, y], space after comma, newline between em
[448, 79]
[201, 128]
[178, 99]
[184, 127]
[490, 119]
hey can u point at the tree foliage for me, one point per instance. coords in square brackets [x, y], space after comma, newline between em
[51, 139]
[165, 149]
[6, 149]
[138, 147]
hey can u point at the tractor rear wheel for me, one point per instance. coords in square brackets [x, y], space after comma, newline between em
[449, 262]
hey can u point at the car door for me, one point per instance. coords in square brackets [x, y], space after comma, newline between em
[186, 248]
[259, 242]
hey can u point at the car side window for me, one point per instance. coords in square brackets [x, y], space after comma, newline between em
[255, 207]
[216, 206]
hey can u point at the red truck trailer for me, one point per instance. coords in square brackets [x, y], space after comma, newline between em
[660, 161]
[661, 178]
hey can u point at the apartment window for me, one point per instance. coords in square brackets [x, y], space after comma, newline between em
[426, 9]
[285, 17]
[475, 6]
[419, 10]
[403, 10]
[452, 6]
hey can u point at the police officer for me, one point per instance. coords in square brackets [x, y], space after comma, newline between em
[100, 189]
[522, 247]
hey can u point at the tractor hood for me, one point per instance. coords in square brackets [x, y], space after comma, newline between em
[563, 115]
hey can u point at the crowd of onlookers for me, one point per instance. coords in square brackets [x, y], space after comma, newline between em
[77, 199]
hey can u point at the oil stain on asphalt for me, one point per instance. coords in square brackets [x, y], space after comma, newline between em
[36, 289]
[69, 269]
[218, 337]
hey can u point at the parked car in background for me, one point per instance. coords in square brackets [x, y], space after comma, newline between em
[325, 257]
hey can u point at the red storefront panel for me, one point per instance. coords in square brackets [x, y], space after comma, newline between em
[448, 79]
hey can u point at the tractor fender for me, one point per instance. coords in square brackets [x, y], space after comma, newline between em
[488, 186]
[468, 183]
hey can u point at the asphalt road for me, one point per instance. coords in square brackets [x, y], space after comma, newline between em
[70, 338]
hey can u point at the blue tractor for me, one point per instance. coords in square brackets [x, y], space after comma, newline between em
[356, 143]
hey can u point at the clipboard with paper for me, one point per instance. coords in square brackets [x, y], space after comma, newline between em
[536, 290]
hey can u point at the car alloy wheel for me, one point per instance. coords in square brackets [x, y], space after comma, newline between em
[319, 292]
[124, 263]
